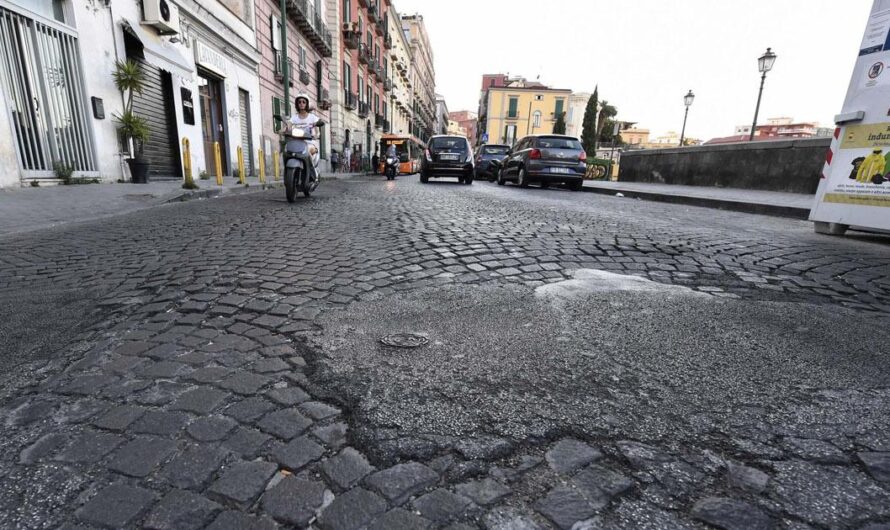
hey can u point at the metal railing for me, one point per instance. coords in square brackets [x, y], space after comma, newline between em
[362, 109]
[350, 100]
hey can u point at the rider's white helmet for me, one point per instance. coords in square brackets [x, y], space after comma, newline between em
[305, 97]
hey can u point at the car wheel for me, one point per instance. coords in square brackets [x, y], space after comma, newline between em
[576, 185]
[424, 178]
[500, 177]
[468, 179]
[545, 185]
[522, 178]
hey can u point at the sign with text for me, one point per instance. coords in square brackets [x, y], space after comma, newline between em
[855, 185]
[208, 58]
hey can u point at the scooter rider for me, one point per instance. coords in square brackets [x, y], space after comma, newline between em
[309, 122]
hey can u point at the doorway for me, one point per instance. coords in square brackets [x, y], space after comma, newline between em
[210, 92]
[246, 137]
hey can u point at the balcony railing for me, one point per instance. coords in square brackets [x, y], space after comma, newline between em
[279, 68]
[362, 109]
[378, 121]
[324, 102]
[364, 54]
[311, 24]
[350, 100]
[373, 11]
[304, 76]
[387, 85]
[351, 35]
[387, 42]
[386, 127]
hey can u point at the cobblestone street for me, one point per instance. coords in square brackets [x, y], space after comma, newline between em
[591, 359]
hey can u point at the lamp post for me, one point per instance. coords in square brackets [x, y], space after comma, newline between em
[764, 64]
[687, 100]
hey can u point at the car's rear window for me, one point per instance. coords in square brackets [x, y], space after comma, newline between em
[556, 142]
[451, 144]
[495, 150]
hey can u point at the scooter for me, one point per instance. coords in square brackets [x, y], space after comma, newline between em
[391, 167]
[297, 163]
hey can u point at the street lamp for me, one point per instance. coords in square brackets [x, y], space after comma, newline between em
[764, 64]
[687, 100]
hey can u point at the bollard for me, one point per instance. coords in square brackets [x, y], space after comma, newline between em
[275, 163]
[219, 178]
[262, 166]
[240, 165]
[186, 160]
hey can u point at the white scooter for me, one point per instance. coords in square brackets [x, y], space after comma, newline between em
[297, 163]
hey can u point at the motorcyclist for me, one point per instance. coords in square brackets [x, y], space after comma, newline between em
[391, 153]
[309, 122]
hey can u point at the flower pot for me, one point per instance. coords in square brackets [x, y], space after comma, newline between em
[138, 170]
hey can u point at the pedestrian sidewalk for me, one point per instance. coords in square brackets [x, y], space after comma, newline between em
[782, 204]
[26, 209]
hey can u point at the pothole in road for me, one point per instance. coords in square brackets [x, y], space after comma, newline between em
[405, 340]
[588, 281]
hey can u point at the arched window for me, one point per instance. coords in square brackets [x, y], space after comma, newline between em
[536, 119]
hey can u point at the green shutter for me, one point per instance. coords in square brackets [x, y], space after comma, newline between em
[558, 108]
[514, 102]
[276, 112]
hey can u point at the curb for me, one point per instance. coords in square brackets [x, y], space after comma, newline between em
[192, 195]
[775, 210]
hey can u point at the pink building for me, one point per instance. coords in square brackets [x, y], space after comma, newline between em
[309, 48]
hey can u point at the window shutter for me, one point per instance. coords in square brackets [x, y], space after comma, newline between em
[514, 102]
[558, 108]
[276, 111]
[275, 24]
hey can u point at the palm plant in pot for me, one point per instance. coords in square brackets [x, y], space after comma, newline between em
[129, 79]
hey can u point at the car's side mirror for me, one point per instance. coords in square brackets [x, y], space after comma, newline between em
[403, 157]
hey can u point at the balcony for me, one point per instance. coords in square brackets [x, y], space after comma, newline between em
[279, 68]
[379, 120]
[387, 85]
[302, 12]
[373, 12]
[387, 42]
[364, 54]
[362, 109]
[350, 100]
[351, 35]
[304, 76]
[386, 126]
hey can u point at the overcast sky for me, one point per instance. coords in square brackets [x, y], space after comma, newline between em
[646, 54]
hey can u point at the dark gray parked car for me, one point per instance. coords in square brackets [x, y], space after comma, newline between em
[546, 159]
[487, 159]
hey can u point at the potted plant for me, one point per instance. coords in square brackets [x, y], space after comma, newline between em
[129, 79]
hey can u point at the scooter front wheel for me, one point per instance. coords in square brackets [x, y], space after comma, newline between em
[305, 184]
[290, 186]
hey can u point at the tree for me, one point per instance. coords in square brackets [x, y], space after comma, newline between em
[607, 112]
[559, 127]
[588, 125]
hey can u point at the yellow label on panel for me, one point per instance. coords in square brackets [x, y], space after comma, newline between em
[861, 200]
[865, 136]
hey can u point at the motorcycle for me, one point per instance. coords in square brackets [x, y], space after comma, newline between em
[391, 167]
[297, 163]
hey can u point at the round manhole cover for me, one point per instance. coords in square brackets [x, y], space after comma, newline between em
[405, 340]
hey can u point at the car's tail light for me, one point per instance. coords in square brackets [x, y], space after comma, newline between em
[426, 152]
[582, 157]
[535, 154]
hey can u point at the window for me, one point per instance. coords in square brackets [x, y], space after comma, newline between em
[276, 112]
[558, 111]
[275, 26]
[509, 134]
[347, 11]
[368, 95]
[361, 87]
[557, 142]
[536, 119]
[539, 97]
[512, 110]
[376, 104]
[360, 26]
[347, 77]
[302, 51]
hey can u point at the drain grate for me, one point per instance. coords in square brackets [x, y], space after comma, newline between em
[405, 340]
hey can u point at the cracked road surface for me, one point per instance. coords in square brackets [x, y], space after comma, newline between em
[593, 362]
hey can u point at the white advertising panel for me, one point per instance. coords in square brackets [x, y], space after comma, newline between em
[855, 185]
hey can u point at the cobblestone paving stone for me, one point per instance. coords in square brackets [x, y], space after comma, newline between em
[187, 400]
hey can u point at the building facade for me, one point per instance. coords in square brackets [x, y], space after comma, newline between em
[785, 127]
[518, 108]
[466, 120]
[359, 87]
[575, 113]
[441, 125]
[400, 74]
[199, 60]
[423, 79]
[307, 65]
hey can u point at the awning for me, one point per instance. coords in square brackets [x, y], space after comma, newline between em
[159, 53]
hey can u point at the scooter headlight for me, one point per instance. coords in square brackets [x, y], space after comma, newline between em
[297, 132]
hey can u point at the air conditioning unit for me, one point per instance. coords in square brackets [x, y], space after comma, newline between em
[163, 15]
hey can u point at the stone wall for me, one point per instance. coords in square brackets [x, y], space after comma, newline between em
[786, 165]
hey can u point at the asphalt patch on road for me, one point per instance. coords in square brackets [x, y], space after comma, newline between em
[599, 357]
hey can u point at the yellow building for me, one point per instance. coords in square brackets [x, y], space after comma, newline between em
[512, 112]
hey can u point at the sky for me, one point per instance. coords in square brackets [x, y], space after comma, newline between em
[646, 54]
